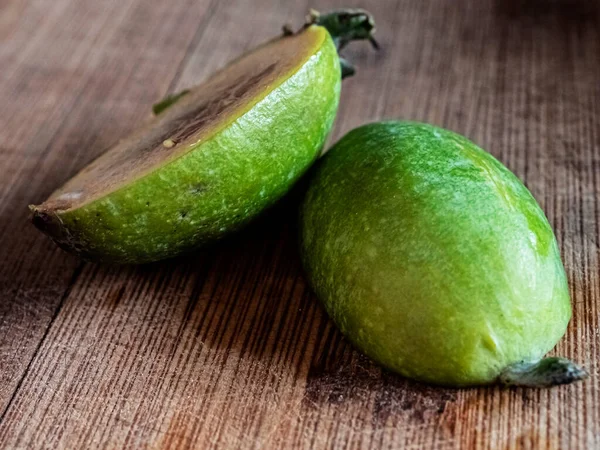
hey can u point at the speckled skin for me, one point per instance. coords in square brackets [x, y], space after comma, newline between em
[431, 256]
[218, 186]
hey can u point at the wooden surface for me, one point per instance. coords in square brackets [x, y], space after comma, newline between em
[228, 348]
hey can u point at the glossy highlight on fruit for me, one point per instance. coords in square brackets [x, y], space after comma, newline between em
[435, 260]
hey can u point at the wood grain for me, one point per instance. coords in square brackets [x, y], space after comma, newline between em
[228, 348]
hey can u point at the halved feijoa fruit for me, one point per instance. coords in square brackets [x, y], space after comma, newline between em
[207, 164]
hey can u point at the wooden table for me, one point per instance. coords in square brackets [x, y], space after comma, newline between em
[228, 347]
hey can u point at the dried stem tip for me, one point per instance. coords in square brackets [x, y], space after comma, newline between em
[546, 372]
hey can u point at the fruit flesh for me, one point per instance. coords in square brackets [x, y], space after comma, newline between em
[208, 164]
[431, 256]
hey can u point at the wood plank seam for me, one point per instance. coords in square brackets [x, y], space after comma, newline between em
[65, 295]
[211, 10]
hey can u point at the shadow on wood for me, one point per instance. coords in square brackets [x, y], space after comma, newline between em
[556, 14]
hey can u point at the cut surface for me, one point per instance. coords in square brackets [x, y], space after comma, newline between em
[206, 110]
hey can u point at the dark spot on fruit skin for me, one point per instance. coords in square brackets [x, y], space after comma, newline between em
[147, 203]
[182, 214]
[199, 188]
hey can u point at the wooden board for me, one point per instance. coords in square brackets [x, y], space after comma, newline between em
[228, 348]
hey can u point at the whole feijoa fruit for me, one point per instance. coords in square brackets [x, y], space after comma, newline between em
[435, 260]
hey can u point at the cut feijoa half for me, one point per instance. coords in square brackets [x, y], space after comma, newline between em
[207, 164]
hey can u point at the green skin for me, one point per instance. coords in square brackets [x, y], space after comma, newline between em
[219, 185]
[434, 259]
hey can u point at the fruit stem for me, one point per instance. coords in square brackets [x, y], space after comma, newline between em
[546, 372]
[344, 26]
